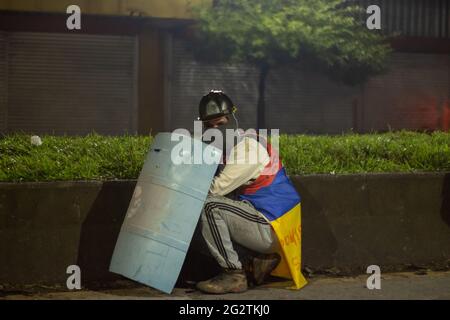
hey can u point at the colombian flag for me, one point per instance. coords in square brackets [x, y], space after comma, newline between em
[278, 200]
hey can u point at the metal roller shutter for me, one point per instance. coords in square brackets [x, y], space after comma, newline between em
[300, 101]
[71, 83]
[295, 101]
[414, 18]
[190, 79]
[413, 95]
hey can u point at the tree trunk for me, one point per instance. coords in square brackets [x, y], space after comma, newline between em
[261, 107]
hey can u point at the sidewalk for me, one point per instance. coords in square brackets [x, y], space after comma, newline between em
[430, 285]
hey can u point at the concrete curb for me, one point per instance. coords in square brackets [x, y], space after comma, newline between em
[396, 221]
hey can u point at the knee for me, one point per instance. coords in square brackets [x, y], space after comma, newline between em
[209, 207]
[210, 201]
[208, 213]
[212, 198]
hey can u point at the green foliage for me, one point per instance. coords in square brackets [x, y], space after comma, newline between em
[353, 153]
[326, 33]
[96, 157]
[72, 158]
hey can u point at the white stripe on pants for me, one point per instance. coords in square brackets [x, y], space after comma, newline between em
[226, 221]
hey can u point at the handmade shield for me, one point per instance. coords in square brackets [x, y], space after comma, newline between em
[164, 210]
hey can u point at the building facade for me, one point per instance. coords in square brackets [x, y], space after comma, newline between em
[107, 77]
[130, 70]
[413, 94]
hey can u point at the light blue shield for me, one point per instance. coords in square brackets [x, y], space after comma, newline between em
[164, 210]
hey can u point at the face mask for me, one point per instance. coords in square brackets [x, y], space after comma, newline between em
[227, 142]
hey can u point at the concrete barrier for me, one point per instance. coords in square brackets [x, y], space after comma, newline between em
[396, 221]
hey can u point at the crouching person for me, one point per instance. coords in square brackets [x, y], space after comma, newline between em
[262, 216]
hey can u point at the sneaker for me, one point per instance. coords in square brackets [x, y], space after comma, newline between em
[229, 281]
[263, 265]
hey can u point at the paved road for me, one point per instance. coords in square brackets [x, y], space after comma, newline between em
[431, 285]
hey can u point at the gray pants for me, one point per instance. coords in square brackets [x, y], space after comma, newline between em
[225, 221]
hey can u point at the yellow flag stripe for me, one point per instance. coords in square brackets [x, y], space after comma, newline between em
[288, 230]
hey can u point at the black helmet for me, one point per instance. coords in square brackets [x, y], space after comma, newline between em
[214, 105]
